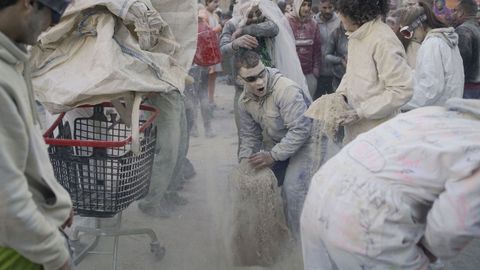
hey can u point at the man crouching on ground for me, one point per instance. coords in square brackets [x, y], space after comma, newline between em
[274, 133]
[33, 205]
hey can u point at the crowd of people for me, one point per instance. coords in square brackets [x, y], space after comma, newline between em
[394, 84]
[370, 68]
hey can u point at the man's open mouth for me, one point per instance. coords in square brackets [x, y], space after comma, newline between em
[261, 89]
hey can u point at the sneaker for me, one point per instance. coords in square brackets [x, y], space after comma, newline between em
[194, 132]
[188, 169]
[209, 132]
[163, 209]
[175, 198]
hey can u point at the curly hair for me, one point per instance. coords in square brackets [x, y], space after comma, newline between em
[362, 11]
[6, 3]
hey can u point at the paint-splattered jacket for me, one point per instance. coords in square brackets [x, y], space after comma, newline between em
[414, 177]
[278, 115]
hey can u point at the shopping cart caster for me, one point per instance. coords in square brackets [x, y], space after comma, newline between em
[157, 250]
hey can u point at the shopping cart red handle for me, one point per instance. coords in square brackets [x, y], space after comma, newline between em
[50, 140]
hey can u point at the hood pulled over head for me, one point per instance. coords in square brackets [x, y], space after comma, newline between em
[447, 34]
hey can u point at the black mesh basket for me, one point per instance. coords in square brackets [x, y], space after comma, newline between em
[96, 165]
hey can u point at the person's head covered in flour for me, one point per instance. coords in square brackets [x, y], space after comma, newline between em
[274, 132]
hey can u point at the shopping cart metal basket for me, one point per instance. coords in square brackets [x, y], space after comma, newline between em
[93, 161]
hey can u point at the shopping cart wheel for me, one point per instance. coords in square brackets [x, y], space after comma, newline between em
[157, 250]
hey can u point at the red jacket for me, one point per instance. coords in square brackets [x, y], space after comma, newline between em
[307, 39]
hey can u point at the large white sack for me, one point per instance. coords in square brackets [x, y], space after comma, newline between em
[94, 54]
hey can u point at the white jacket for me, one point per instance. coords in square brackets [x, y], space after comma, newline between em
[439, 70]
[378, 79]
[414, 177]
[33, 205]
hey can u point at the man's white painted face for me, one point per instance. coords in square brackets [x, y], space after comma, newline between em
[255, 79]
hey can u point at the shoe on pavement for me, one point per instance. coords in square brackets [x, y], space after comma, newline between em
[194, 132]
[209, 133]
[162, 209]
[188, 169]
[174, 198]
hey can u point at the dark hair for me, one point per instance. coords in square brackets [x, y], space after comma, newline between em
[327, 1]
[413, 12]
[6, 3]
[249, 59]
[362, 11]
[470, 7]
[282, 5]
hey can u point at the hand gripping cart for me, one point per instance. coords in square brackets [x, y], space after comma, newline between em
[95, 163]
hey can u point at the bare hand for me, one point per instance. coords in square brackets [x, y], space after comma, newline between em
[237, 33]
[348, 117]
[261, 160]
[68, 223]
[66, 266]
[246, 41]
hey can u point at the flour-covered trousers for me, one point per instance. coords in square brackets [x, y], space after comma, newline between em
[172, 143]
[350, 221]
[197, 95]
[312, 84]
[295, 187]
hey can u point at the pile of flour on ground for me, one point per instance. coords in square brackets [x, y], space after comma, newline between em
[259, 231]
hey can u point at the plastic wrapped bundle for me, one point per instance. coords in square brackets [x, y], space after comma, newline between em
[259, 232]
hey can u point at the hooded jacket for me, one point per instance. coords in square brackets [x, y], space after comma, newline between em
[439, 70]
[33, 205]
[307, 40]
[415, 177]
[278, 115]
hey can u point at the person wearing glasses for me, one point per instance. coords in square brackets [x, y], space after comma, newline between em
[438, 74]
[273, 131]
[34, 207]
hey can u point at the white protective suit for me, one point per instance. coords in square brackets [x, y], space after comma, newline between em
[414, 177]
[438, 75]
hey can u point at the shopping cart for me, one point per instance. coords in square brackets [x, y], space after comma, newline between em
[94, 162]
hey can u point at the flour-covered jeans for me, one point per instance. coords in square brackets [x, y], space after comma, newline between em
[172, 142]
